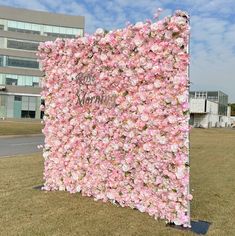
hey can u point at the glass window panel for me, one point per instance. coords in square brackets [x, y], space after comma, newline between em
[27, 26]
[20, 25]
[66, 30]
[25, 99]
[36, 79]
[22, 62]
[20, 81]
[2, 79]
[57, 29]
[1, 60]
[11, 81]
[32, 103]
[10, 24]
[31, 46]
[28, 81]
[70, 31]
[34, 27]
[53, 29]
[18, 98]
[75, 31]
[48, 28]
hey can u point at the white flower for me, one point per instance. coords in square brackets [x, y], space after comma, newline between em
[144, 117]
[103, 57]
[94, 132]
[141, 108]
[133, 82]
[168, 34]
[84, 40]
[172, 196]
[99, 31]
[141, 208]
[180, 172]
[154, 26]
[106, 140]
[110, 195]
[172, 119]
[138, 42]
[131, 134]
[182, 98]
[45, 155]
[115, 146]
[125, 168]
[130, 124]
[179, 42]
[126, 147]
[65, 110]
[147, 147]
[162, 140]
[129, 73]
[155, 48]
[78, 189]
[75, 176]
[180, 20]
[138, 25]
[174, 148]
[61, 188]
[95, 49]
[157, 84]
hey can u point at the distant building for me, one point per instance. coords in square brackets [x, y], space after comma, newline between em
[20, 33]
[209, 109]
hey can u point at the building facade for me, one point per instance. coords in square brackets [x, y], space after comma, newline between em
[21, 31]
[209, 109]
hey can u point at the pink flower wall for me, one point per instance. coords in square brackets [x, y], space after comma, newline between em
[116, 116]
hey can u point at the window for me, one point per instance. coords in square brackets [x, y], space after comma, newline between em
[21, 62]
[18, 98]
[35, 84]
[56, 35]
[1, 61]
[22, 45]
[23, 31]
[10, 81]
[27, 114]
[23, 27]
[20, 80]
[63, 32]
[2, 100]
[28, 109]
[201, 95]
[54, 31]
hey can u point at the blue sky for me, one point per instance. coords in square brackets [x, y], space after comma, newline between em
[212, 30]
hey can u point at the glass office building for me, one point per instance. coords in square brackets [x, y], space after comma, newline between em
[21, 31]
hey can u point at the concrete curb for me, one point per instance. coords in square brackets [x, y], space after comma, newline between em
[20, 135]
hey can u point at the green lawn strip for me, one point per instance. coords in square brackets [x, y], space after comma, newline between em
[20, 128]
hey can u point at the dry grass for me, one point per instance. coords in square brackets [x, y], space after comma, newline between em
[20, 128]
[25, 211]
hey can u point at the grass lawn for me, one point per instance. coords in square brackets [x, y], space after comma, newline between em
[25, 211]
[18, 127]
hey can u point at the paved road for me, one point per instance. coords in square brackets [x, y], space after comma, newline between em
[10, 146]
